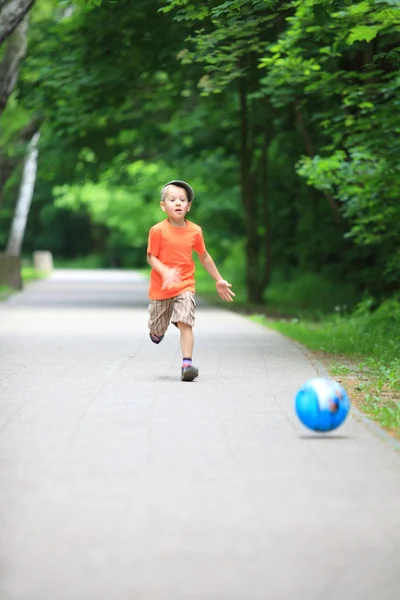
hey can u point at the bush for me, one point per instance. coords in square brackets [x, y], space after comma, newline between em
[309, 294]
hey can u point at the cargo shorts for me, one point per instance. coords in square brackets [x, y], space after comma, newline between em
[171, 310]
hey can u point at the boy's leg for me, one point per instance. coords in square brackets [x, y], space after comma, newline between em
[189, 371]
[183, 316]
[187, 339]
[160, 312]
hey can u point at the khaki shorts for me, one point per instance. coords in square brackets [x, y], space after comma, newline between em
[172, 310]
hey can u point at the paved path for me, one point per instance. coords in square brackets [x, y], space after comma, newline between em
[119, 482]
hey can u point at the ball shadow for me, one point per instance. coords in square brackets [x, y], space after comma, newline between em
[324, 436]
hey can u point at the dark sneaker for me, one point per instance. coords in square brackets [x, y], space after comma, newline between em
[156, 338]
[189, 373]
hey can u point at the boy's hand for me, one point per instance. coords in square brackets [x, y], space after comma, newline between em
[224, 291]
[171, 278]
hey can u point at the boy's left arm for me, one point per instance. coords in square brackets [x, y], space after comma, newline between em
[223, 287]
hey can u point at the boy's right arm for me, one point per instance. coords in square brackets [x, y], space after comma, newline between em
[170, 276]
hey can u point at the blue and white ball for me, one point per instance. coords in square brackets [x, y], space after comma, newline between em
[322, 404]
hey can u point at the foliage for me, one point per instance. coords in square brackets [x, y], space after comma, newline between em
[283, 116]
[357, 163]
[310, 295]
[119, 207]
[359, 333]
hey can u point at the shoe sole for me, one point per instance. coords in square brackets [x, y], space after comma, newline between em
[189, 374]
[156, 341]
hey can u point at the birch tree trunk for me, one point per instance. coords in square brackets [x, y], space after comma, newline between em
[9, 163]
[12, 12]
[17, 230]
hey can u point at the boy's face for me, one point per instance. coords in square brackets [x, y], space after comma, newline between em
[175, 203]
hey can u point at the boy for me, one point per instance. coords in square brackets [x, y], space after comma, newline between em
[172, 283]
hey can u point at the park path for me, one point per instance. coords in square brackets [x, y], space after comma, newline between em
[119, 482]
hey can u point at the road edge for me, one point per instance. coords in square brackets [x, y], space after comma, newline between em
[371, 425]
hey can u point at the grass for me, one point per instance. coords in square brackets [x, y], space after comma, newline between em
[361, 351]
[31, 274]
[5, 291]
[28, 274]
[92, 261]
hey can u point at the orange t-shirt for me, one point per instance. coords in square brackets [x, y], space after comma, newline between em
[174, 246]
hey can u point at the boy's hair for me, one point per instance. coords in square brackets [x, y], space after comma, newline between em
[178, 183]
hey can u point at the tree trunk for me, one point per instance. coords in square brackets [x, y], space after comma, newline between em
[9, 163]
[18, 225]
[9, 67]
[246, 158]
[310, 151]
[267, 267]
[12, 13]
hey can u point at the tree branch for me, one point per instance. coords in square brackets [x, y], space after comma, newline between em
[11, 15]
[310, 151]
[9, 67]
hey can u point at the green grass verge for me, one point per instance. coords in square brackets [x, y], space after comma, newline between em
[361, 351]
[5, 291]
[92, 261]
[28, 274]
[31, 274]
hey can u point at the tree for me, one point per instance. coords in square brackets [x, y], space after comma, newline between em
[282, 115]
[24, 199]
[344, 75]
[229, 46]
[12, 14]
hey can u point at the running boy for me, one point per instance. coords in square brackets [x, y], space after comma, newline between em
[172, 284]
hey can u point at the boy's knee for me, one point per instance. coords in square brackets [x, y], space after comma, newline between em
[182, 325]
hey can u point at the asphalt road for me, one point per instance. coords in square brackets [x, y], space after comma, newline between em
[120, 482]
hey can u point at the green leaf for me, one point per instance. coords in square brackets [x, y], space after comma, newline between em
[321, 14]
[363, 32]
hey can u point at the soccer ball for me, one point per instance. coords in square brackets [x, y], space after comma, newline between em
[322, 404]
